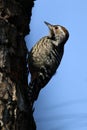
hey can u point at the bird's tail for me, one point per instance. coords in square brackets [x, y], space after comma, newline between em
[34, 89]
[37, 84]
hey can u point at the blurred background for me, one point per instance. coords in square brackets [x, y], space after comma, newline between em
[62, 104]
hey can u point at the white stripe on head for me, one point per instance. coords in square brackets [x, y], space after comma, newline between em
[60, 28]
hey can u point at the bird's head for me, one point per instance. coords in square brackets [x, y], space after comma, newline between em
[58, 33]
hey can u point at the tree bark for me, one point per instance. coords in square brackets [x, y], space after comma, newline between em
[15, 108]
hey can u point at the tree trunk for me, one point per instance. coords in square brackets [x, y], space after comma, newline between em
[15, 108]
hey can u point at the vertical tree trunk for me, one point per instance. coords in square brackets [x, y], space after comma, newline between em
[15, 109]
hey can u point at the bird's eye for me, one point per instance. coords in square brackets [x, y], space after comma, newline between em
[56, 27]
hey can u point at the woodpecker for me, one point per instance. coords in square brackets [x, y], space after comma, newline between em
[45, 57]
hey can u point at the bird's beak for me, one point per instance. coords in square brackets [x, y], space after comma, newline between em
[50, 28]
[49, 25]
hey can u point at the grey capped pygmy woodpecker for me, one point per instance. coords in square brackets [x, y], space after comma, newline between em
[45, 57]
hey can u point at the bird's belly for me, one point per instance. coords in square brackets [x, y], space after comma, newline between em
[49, 61]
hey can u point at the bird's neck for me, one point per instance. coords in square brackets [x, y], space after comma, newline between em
[57, 41]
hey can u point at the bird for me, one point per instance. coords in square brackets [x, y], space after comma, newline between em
[44, 58]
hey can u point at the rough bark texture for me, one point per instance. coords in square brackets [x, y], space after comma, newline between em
[15, 108]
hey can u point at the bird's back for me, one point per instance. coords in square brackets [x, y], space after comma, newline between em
[45, 54]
